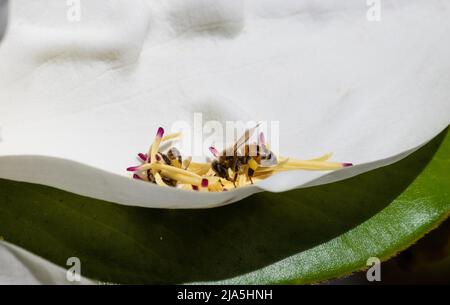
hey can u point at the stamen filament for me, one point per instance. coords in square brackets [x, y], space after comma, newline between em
[159, 180]
[143, 157]
[238, 169]
[155, 146]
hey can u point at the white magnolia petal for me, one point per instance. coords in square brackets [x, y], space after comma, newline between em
[20, 267]
[78, 99]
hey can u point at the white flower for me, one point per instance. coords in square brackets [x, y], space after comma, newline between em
[77, 99]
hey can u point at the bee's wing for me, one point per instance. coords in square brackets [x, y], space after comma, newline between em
[244, 138]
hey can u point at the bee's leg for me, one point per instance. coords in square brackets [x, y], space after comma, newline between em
[234, 166]
[250, 173]
[235, 178]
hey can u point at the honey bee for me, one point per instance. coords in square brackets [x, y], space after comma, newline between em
[173, 158]
[232, 162]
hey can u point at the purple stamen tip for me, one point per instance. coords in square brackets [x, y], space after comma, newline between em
[347, 164]
[143, 157]
[136, 176]
[205, 183]
[132, 168]
[195, 188]
[158, 158]
[262, 138]
[214, 151]
[160, 132]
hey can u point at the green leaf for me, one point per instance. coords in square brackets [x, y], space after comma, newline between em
[301, 236]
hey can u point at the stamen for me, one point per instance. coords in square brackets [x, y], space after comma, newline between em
[171, 136]
[318, 165]
[182, 178]
[262, 139]
[143, 157]
[230, 172]
[240, 170]
[175, 170]
[214, 151]
[187, 162]
[159, 180]
[160, 133]
[323, 158]
[215, 187]
[155, 146]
